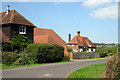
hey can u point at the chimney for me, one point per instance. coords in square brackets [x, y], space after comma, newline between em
[78, 33]
[7, 9]
[69, 37]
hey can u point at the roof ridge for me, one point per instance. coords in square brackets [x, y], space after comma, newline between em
[11, 16]
[44, 29]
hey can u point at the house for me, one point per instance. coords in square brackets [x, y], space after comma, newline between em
[12, 22]
[80, 43]
[49, 36]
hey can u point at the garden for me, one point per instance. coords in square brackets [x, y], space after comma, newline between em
[22, 52]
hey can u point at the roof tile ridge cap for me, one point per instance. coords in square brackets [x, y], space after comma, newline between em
[12, 16]
[43, 29]
[25, 18]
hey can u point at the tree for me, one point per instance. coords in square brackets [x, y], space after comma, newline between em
[19, 42]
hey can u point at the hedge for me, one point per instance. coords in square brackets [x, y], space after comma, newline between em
[44, 53]
[9, 58]
[113, 67]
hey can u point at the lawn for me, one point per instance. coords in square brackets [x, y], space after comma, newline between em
[11, 67]
[91, 71]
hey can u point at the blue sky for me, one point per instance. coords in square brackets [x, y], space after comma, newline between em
[69, 17]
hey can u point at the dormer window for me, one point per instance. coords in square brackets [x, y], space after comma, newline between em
[22, 30]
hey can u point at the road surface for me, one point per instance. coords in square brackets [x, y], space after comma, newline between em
[61, 70]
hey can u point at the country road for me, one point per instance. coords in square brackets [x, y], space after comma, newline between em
[60, 70]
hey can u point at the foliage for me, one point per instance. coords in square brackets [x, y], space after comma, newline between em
[113, 67]
[45, 53]
[71, 49]
[18, 43]
[107, 51]
[102, 55]
[6, 46]
[23, 60]
[112, 49]
[66, 58]
[9, 58]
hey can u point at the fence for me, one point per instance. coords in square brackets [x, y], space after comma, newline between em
[85, 55]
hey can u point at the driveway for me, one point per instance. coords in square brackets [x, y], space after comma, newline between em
[60, 70]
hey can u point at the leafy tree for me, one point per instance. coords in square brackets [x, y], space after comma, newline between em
[19, 42]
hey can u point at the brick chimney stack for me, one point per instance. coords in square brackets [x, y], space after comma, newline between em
[78, 33]
[69, 37]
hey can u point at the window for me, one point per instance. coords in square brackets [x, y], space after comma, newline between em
[22, 30]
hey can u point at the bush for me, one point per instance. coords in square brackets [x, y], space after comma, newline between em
[9, 58]
[113, 67]
[23, 60]
[6, 46]
[66, 58]
[18, 43]
[102, 55]
[109, 54]
[44, 53]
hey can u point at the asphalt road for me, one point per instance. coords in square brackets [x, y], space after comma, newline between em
[61, 70]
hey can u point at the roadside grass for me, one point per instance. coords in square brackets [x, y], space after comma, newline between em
[91, 71]
[11, 67]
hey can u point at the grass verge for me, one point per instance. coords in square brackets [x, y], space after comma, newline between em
[11, 67]
[91, 71]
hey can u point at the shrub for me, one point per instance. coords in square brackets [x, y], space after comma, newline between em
[22, 60]
[9, 58]
[6, 46]
[102, 55]
[18, 43]
[113, 67]
[66, 58]
[45, 53]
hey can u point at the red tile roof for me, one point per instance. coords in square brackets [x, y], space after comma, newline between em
[4, 37]
[47, 36]
[81, 41]
[14, 17]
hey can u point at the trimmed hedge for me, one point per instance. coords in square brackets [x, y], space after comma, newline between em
[44, 53]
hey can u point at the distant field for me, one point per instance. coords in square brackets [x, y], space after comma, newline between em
[91, 71]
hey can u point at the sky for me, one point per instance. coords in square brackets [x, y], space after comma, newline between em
[95, 19]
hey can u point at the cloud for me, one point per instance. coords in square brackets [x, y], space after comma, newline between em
[95, 3]
[110, 12]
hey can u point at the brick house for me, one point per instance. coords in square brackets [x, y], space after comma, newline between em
[80, 43]
[12, 21]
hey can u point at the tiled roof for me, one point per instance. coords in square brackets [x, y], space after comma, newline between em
[47, 36]
[14, 17]
[81, 41]
[4, 37]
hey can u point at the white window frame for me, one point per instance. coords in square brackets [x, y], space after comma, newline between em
[23, 30]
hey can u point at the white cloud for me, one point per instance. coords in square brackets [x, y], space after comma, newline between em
[95, 3]
[110, 12]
